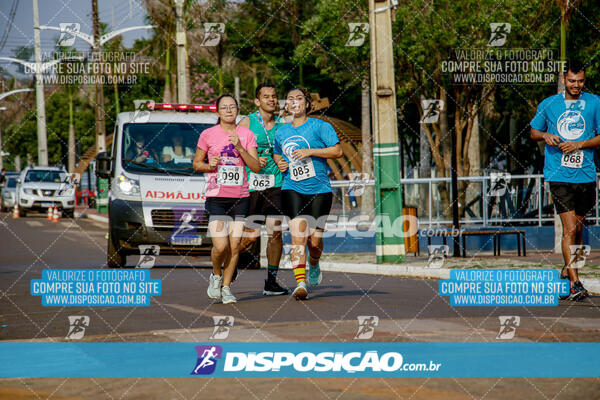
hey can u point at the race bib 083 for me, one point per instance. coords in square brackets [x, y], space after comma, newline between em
[301, 170]
[230, 175]
[572, 160]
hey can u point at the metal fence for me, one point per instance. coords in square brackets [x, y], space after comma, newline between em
[526, 201]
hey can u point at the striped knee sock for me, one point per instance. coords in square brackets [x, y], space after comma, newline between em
[300, 273]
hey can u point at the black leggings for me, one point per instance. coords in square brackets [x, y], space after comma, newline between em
[311, 206]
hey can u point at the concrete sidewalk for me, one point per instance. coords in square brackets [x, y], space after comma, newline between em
[91, 213]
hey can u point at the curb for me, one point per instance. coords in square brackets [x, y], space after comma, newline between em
[95, 217]
[414, 271]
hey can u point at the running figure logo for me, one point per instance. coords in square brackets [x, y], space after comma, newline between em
[579, 254]
[431, 110]
[357, 183]
[77, 325]
[366, 326]
[141, 111]
[67, 33]
[222, 326]
[358, 33]
[500, 31]
[498, 183]
[437, 255]
[207, 359]
[508, 327]
[185, 231]
[148, 255]
[212, 33]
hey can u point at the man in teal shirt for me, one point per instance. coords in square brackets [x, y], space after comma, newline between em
[265, 187]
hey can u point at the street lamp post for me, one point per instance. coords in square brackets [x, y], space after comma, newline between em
[181, 54]
[39, 92]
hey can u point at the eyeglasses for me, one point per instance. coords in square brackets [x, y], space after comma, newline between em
[232, 107]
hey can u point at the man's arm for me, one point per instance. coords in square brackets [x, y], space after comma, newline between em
[568, 147]
[550, 139]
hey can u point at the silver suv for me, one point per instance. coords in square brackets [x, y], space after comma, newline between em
[41, 187]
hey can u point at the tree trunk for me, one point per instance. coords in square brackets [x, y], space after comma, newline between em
[424, 171]
[71, 150]
[474, 153]
[446, 149]
[367, 206]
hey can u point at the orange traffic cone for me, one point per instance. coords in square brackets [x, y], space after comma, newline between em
[49, 214]
[16, 213]
[55, 215]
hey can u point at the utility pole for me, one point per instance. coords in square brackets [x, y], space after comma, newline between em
[182, 83]
[390, 245]
[39, 91]
[99, 89]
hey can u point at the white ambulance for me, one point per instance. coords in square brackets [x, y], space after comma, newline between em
[155, 197]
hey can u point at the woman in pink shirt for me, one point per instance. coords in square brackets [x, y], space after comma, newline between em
[229, 149]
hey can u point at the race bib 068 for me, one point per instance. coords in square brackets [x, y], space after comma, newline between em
[301, 170]
[572, 160]
[230, 175]
[261, 181]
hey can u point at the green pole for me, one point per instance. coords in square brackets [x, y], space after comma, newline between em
[386, 150]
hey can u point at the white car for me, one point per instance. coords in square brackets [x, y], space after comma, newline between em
[41, 187]
[9, 192]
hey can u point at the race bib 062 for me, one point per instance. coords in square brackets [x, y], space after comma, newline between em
[230, 175]
[301, 170]
[261, 181]
[572, 160]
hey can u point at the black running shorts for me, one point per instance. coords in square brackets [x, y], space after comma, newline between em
[266, 202]
[316, 206]
[579, 197]
[227, 207]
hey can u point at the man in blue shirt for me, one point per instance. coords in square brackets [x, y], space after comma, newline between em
[569, 123]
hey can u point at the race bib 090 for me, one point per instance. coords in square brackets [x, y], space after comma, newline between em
[301, 170]
[572, 160]
[230, 175]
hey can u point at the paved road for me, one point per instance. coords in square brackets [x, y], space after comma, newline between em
[408, 309]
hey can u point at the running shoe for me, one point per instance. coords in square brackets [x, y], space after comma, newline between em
[577, 292]
[272, 288]
[214, 287]
[584, 292]
[563, 276]
[314, 275]
[301, 292]
[226, 295]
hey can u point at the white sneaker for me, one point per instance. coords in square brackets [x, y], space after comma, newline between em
[214, 287]
[301, 292]
[226, 296]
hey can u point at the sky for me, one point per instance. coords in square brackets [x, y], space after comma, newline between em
[116, 13]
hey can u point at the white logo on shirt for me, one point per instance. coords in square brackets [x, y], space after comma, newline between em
[570, 125]
[292, 144]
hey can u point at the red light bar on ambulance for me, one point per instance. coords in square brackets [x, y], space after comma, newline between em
[182, 107]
